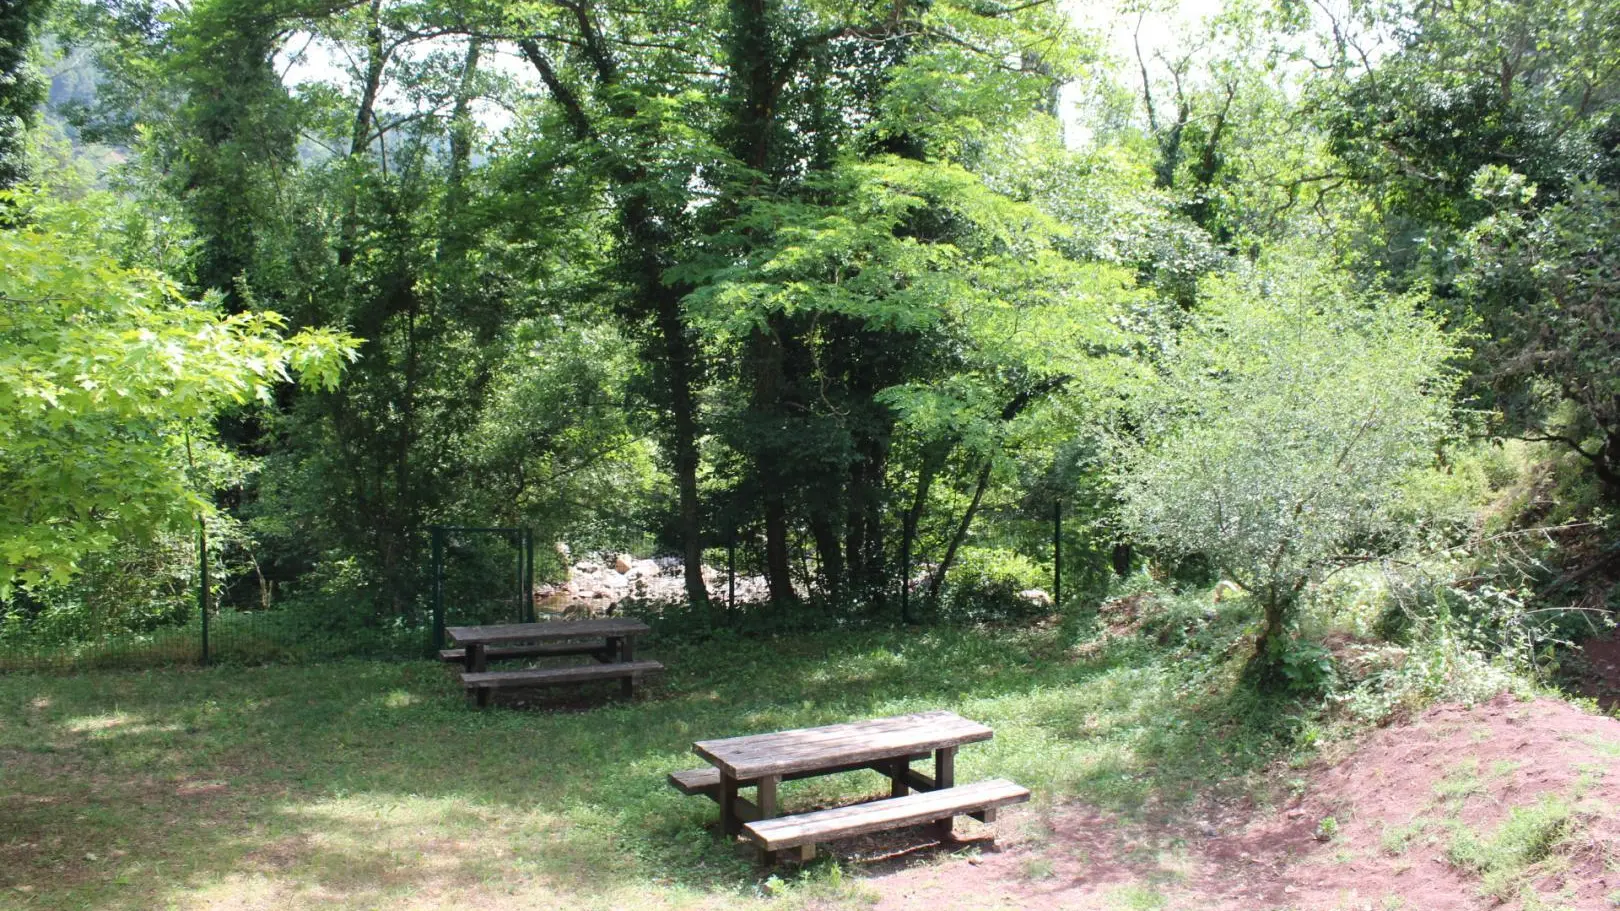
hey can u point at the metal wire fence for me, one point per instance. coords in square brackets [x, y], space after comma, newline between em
[484, 576]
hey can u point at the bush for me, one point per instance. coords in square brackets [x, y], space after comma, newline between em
[985, 583]
[134, 587]
[1284, 424]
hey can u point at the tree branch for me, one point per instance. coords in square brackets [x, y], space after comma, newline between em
[573, 110]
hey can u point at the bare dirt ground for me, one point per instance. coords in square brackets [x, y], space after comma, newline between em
[1398, 806]
[1596, 670]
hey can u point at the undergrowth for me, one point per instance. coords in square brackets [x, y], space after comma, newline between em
[1525, 847]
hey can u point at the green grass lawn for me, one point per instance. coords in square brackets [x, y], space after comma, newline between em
[372, 784]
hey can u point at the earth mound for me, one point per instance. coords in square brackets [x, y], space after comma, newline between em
[1508, 804]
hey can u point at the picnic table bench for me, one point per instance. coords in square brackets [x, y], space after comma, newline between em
[885, 745]
[610, 641]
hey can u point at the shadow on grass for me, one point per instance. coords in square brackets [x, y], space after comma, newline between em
[357, 783]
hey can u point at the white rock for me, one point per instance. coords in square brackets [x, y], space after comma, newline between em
[1036, 596]
[586, 566]
[644, 569]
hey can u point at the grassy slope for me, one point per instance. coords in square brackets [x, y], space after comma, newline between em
[365, 784]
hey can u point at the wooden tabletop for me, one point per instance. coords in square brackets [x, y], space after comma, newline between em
[540, 632]
[788, 752]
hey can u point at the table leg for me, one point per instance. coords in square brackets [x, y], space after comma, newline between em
[627, 648]
[897, 777]
[944, 777]
[765, 793]
[765, 796]
[476, 660]
[729, 824]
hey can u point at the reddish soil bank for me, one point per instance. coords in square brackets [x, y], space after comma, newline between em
[1595, 669]
[1397, 804]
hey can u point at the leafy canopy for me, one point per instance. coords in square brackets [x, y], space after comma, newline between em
[102, 366]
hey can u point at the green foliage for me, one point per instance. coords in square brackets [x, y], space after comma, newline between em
[985, 583]
[133, 587]
[21, 88]
[1492, 174]
[1510, 857]
[862, 288]
[1544, 282]
[1306, 669]
[104, 369]
[1286, 418]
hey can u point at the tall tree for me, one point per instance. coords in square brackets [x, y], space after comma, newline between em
[21, 89]
[105, 370]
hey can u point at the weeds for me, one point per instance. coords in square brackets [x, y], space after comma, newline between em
[1523, 847]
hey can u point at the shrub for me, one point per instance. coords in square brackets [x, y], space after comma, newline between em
[1285, 421]
[985, 584]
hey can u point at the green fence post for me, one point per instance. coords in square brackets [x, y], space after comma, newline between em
[202, 587]
[1057, 553]
[438, 587]
[528, 574]
[905, 578]
[731, 572]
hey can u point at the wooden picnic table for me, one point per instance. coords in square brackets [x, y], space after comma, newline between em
[886, 745]
[618, 637]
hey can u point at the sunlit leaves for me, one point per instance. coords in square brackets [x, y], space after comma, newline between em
[101, 367]
[1285, 420]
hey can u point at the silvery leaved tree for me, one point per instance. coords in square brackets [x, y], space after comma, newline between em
[1285, 419]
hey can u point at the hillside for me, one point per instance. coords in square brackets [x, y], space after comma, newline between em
[1507, 804]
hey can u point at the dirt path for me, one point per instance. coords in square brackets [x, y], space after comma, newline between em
[1428, 815]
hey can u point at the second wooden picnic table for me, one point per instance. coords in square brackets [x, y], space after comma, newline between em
[611, 641]
[553, 637]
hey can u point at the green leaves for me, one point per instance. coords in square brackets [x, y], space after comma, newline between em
[903, 245]
[1286, 418]
[101, 366]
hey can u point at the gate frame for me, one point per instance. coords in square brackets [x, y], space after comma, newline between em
[521, 538]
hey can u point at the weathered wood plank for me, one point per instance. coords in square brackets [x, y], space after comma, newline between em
[697, 781]
[551, 676]
[706, 781]
[728, 804]
[859, 819]
[944, 777]
[917, 780]
[527, 651]
[551, 630]
[854, 744]
[745, 810]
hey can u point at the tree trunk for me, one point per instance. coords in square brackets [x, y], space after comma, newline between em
[829, 553]
[646, 241]
[1122, 558]
[1265, 667]
[778, 561]
[937, 583]
[462, 130]
[767, 360]
[684, 428]
[933, 458]
[359, 137]
[1013, 409]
